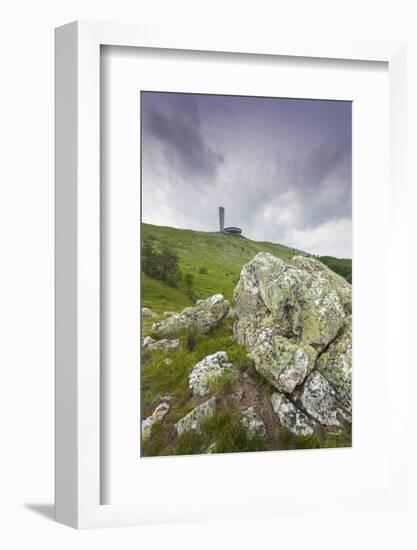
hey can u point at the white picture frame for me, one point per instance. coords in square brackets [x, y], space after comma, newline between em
[78, 406]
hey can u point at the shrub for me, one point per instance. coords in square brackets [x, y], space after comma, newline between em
[203, 270]
[188, 283]
[162, 265]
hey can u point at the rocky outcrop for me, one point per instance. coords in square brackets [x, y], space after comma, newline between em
[149, 344]
[252, 422]
[207, 370]
[194, 419]
[295, 322]
[204, 316]
[158, 415]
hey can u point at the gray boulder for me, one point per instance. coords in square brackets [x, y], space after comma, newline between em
[305, 302]
[290, 416]
[252, 423]
[294, 319]
[207, 370]
[202, 317]
[318, 399]
[194, 419]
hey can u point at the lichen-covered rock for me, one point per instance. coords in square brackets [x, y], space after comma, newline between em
[158, 415]
[147, 427]
[208, 369]
[335, 364]
[305, 302]
[290, 416]
[194, 419]
[147, 313]
[284, 364]
[202, 317]
[318, 399]
[294, 319]
[168, 314]
[252, 423]
[232, 313]
[149, 344]
[343, 288]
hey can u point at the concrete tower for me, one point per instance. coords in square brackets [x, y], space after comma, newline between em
[221, 218]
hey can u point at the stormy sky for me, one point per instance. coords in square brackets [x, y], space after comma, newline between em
[280, 167]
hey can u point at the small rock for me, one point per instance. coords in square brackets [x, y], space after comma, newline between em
[158, 415]
[160, 412]
[147, 313]
[252, 423]
[290, 416]
[318, 399]
[202, 317]
[206, 370]
[194, 419]
[149, 344]
[147, 427]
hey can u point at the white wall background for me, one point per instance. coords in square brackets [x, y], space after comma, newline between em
[26, 272]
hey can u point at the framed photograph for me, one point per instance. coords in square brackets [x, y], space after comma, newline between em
[227, 336]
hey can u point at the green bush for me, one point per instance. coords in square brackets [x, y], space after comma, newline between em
[160, 264]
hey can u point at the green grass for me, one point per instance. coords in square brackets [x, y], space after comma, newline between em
[160, 297]
[342, 266]
[215, 260]
[224, 430]
[159, 379]
[326, 440]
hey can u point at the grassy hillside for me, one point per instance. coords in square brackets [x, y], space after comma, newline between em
[215, 261]
[341, 266]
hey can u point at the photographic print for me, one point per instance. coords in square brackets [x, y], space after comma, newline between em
[246, 274]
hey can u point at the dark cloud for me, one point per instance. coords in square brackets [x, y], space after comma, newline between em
[176, 127]
[321, 180]
[282, 168]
